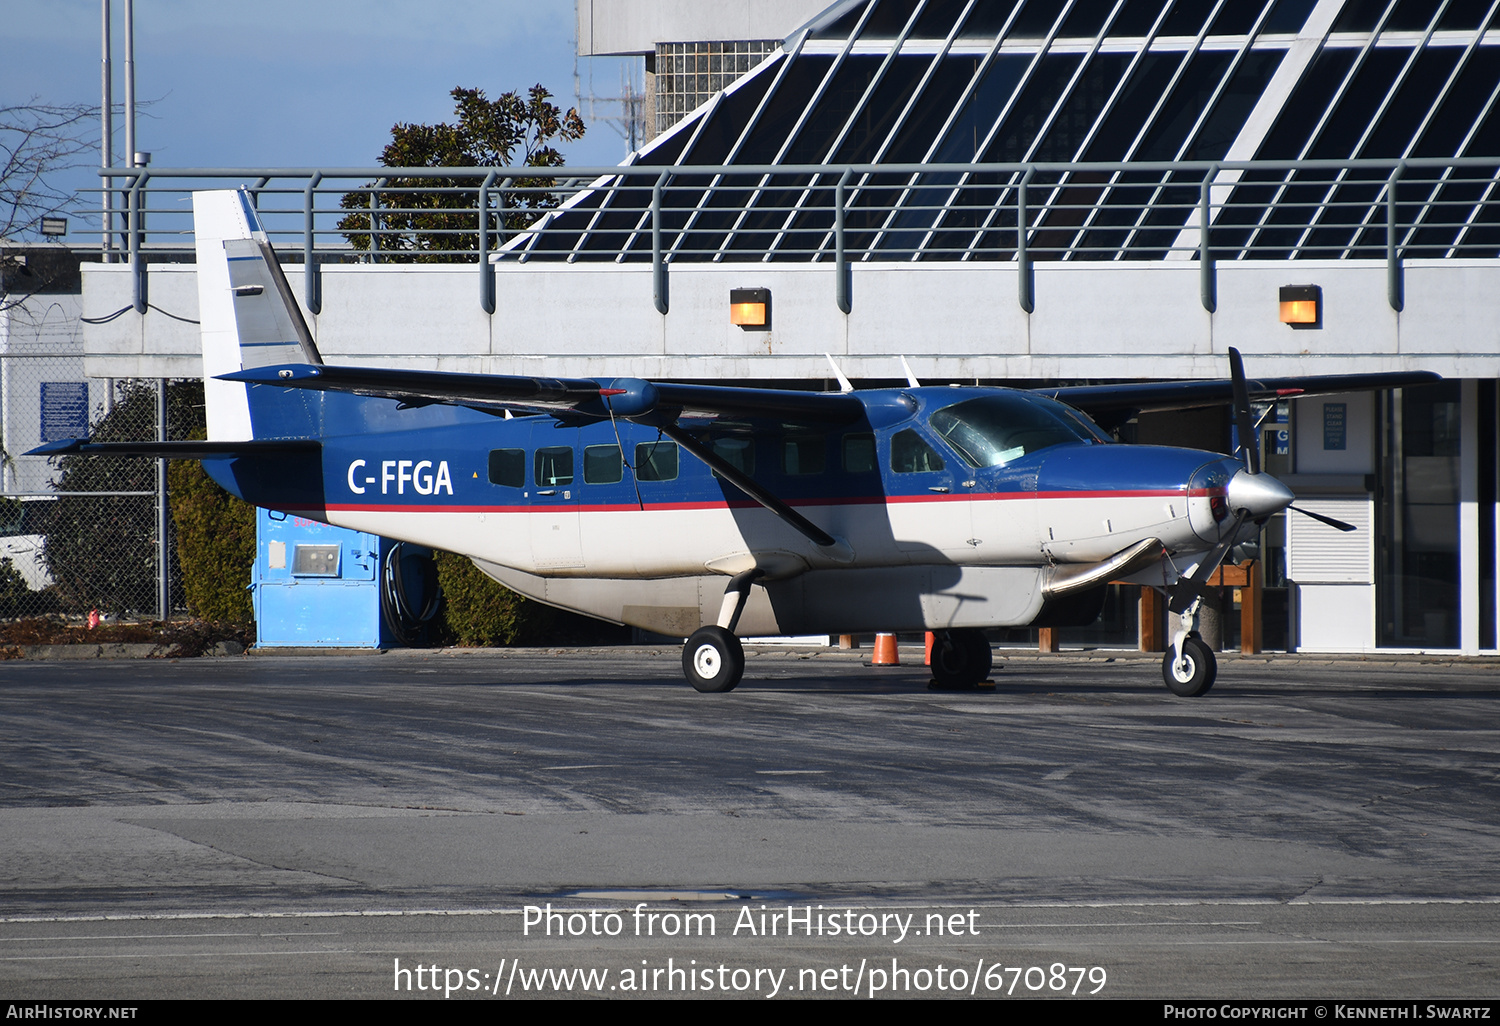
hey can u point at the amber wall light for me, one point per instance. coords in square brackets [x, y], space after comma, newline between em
[750, 309]
[1302, 306]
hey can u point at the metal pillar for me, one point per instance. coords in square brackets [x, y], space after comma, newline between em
[106, 131]
[134, 229]
[130, 83]
[658, 259]
[1395, 276]
[486, 272]
[844, 288]
[1025, 276]
[163, 568]
[1208, 279]
[312, 282]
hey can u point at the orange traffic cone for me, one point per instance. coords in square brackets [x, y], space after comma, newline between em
[885, 651]
[927, 658]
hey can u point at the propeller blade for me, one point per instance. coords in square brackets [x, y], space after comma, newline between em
[1244, 425]
[1337, 525]
[1192, 587]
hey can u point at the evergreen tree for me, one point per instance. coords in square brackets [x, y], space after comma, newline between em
[412, 218]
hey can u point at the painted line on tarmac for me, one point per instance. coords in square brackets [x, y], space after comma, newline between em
[397, 913]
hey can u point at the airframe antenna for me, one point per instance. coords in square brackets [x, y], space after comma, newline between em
[844, 385]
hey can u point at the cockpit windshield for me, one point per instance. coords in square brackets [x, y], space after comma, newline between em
[993, 430]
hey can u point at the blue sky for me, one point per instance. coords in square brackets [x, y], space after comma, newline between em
[283, 83]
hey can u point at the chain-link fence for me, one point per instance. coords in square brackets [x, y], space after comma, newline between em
[78, 533]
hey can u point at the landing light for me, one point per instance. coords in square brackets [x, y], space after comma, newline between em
[750, 309]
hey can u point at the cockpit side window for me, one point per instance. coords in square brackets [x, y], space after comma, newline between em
[859, 453]
[910, 454]
[993, 430]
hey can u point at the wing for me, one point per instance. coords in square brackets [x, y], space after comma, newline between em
[629, 398]
[645, 402]
[1110, 401]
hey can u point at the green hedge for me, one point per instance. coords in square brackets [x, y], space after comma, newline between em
[478, 613]
[215, 544]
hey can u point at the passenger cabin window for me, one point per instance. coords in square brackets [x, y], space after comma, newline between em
[656, 461]
[554, 466]
[993, 430]
[508, 467]
[738, 452]
[803, 454]
[910, 454]
[602, 464]
[859, 453]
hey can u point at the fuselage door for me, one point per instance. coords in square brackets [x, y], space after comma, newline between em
[928, 499]
[555, 542]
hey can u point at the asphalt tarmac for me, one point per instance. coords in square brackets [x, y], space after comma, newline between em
[267, 826]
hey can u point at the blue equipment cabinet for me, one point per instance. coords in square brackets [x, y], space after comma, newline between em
[316, 585]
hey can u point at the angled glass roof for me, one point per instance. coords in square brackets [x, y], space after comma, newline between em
[891, 82]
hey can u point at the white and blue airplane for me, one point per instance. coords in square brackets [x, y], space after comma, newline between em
[707, 511]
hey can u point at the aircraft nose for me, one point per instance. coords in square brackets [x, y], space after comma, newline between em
[1260, 494]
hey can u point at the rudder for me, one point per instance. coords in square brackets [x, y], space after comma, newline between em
[249, 318]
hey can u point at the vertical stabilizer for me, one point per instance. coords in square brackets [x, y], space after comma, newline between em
[248, 314]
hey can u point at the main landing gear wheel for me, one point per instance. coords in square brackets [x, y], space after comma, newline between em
[713, 659]
[1196, 673]
[961, 659]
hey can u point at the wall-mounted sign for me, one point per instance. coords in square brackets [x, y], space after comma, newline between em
[1335, 426]
[65, 410]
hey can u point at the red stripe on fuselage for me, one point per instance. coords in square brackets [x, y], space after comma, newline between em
[750, 504]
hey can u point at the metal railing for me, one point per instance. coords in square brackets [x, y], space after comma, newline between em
[841, 215]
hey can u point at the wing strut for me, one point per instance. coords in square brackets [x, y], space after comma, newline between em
[839, 549]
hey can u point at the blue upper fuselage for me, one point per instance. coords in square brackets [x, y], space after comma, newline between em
[912, 444]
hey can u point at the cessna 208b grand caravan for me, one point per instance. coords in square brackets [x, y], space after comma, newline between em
[709, 511]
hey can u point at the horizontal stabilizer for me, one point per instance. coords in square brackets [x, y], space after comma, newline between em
[176, 450]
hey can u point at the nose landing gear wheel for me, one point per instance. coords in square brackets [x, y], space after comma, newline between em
[1195, 675]
[713, 660]
[961, 659]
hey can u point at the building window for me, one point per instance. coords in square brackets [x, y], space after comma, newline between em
[689, 74]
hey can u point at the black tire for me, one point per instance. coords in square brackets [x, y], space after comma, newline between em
[961, 659]
[1199, 669]
[713, 660]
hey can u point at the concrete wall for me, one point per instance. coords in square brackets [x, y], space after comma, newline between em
[635, 26]
[952, 321]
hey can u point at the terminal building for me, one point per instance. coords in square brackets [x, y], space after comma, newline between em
[997, 191]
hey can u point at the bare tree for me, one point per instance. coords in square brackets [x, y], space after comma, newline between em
[38, 142]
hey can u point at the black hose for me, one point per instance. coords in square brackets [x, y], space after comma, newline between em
[410, 627]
